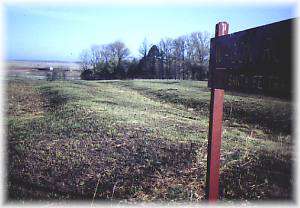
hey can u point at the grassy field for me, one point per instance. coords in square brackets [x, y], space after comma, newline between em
[142, 140]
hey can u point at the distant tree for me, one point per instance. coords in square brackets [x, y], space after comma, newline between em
[95, 55]
[87, 74]
[178, 57]
[144, 47]
[105, 61]
[105, 53]
[185, 57]
[84, 59]
[165, 48]
[118, 51]
[134, 69]
[198, 54]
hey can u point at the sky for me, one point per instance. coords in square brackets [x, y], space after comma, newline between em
[60, 32]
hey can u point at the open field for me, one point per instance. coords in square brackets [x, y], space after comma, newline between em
[142, 140]
[29, 70]
[36, 64]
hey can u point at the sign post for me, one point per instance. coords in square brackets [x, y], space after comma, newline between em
[215, 129]
[257, 60]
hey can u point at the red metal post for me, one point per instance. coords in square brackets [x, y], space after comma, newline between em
[215, 132]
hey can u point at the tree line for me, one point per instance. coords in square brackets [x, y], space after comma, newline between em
[185, 57]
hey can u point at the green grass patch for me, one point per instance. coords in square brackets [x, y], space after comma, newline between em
[141, 140]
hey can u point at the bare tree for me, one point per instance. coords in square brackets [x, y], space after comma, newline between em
[178, 57]
[95, 55]
[185, 57]
[105, 53]
[200, 46]
[85, 58]
[165, 48]
[118, 51]
[144, 47]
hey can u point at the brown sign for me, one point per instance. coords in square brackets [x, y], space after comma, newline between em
[257, 60]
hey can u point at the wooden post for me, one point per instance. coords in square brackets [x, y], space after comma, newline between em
[215, 132]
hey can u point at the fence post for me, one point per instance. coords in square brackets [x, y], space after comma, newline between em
[215, 131]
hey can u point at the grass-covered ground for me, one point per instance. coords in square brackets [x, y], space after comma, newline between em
[142, 140]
